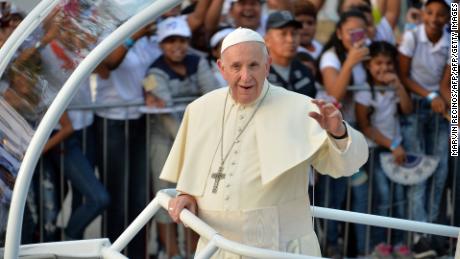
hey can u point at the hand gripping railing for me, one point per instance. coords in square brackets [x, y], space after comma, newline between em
[101, 247]
[216, 241]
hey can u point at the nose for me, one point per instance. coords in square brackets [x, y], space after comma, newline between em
[245, 74]
[290, 37]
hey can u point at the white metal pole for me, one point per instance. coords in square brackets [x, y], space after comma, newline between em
[142, 219]
[56, 109]
[208, 251]
[109, 253]
[25, 28]
[374, 220]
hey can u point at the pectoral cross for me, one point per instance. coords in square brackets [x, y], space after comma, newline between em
[217, 177]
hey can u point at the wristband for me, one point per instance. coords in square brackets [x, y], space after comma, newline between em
[430, 97]
[38, 45]
[395, 143]
[128, 43]
[344, 135]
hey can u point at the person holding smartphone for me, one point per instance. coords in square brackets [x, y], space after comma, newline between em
[340, 66]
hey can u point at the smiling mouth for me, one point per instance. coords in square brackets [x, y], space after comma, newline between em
[248, 15]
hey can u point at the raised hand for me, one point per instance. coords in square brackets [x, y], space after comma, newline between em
[358, 53]
[329, 118]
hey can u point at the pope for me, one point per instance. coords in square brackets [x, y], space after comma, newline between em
[242, 154]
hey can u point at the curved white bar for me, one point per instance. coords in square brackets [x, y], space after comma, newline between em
[139, 222]
[387, 222]
[25, 28]
[208, 251]
[218, 241]
[56, 109]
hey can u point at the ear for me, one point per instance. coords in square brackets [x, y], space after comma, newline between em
[267, 66]
[220, 65]
[338, 33]
[267, 39]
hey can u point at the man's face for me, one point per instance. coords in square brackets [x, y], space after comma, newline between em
[283, 42]
[308, 30]
[245, 66]
[246, 13]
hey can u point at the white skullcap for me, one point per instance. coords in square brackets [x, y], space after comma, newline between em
[241, 35]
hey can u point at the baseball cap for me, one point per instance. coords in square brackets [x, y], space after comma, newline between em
[219, 36]
[280, 19]
[173, 26]
[445, 2]
[241, 35]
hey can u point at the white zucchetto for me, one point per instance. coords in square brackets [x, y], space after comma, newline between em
[241, 35]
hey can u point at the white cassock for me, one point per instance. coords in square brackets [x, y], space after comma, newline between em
[263, 199]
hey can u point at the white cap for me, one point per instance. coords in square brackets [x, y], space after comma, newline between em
[173, 26]
[219, 36]
[241, 35]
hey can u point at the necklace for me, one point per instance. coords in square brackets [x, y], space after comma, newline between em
[219, 175]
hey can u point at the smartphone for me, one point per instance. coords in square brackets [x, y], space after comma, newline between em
[357, 35]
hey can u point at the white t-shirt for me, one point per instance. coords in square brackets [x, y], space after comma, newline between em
[384, 32]
[385, 114]
[81, 118]
[316, 52]
[428, 59]
[125, 83]
[330, 59]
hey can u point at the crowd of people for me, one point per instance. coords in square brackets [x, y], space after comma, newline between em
[390, 78]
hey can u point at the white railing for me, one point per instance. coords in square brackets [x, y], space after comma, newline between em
[215, 240]
[102, 248]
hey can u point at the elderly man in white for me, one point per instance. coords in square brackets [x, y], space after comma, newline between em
[242, 154]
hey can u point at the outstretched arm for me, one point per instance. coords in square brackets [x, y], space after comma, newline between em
[196, 19]
[118, 55]
[392, 10]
